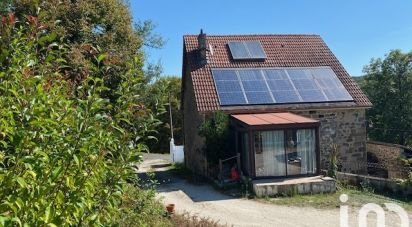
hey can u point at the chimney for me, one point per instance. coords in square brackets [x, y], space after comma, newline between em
[202, 47]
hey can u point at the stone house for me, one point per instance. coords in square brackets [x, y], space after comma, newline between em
[288, 97]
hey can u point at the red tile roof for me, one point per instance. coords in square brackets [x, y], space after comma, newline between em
[272, 119]
[281, 51]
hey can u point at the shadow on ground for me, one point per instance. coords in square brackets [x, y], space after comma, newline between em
[169, 181]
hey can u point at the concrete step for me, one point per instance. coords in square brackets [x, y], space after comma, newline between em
[291, 186]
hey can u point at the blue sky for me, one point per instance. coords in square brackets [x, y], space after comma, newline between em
[354, 30]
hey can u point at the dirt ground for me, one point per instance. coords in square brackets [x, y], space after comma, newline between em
[203, 200]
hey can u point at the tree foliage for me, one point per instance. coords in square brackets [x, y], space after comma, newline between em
[388, 84]
[163, 94]
[88, 27]
[216, 132]
[106, 23]
[73, 117]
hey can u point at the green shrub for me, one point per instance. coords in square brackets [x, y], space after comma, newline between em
[216, 132]
[140, 209]
[333, 161]
[187, 220]
[66, 151]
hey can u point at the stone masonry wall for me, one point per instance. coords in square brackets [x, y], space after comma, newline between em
[389, 156]
[344, 127]
[193, 143]
[347, 129]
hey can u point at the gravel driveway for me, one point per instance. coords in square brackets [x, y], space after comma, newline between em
[205, 201]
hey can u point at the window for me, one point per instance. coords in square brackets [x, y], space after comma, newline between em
[270, 153]
[285, 152]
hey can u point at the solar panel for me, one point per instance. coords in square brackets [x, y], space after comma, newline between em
[280, 85]
[246, 50]
[305, 84]
[232, 98]
[229, 89]
[299, 74]
[322, 72]
[255, 49]
[248, 74]
[224, 75]
[259, 97]
[336, 94]
[276, 86]
[287, 96]
[275, 74]
[331, 86]
[228, 86]
[312, 96]
[326, 83]
[254, 85]
[238, 50]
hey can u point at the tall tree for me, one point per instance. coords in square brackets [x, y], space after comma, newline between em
[164, 96]
[90, 26]
[66, 151]
[388, 83]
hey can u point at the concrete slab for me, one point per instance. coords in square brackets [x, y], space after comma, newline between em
[291, 186]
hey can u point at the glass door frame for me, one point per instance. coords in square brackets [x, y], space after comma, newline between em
[253, 157]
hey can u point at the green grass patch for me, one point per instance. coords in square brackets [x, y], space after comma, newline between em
[357, 198]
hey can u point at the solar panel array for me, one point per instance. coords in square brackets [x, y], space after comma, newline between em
[246, 50]
[273, 86]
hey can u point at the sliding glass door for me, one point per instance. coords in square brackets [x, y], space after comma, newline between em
[306, 149]
[301, 151]
[269, 153]
[285, 152]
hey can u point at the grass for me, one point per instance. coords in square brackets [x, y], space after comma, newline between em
[357, 198]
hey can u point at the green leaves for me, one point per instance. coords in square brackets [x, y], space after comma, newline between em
[76, 160]
[69, 118]
[21, 182]
[48, 38]
[217, 137]
[47, 214]
[388, 85]
[100, 58]
[56, 172]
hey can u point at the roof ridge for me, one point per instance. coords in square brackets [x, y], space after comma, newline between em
[254, 34]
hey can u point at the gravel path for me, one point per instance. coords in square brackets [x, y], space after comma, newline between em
[204, 201]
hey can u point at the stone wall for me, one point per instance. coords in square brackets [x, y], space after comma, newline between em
[194, 158]
[347, 129]
[380, 185]
[388, 156]
[344, 127]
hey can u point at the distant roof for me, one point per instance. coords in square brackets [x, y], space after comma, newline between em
[272, 119]
[280, 50]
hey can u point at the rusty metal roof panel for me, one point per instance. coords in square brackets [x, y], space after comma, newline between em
[272, 119]
[295, 118]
